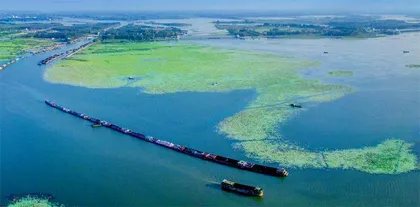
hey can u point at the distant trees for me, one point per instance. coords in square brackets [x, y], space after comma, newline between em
[337, 28]
[142, 33]
[67, 33]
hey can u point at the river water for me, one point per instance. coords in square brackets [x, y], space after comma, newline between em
[46, 151]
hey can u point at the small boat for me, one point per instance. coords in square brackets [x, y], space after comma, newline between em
[406, 51]
[96, 125]
[325, 52]
[295, 106]
[242, 189]
[130, 78]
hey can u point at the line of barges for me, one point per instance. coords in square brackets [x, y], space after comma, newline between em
[51, 58]
[76, 50]
[47, 49]
[64, 55]
[240, 164]
[5, 65]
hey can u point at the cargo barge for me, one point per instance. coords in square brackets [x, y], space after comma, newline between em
[242, 189]
[240, 164]
[51, 58]
[64, 55]
[76, 50]
[47, 49]
[5, 65]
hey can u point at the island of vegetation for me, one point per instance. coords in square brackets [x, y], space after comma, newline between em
[349, 26]
[340, 73]
[133, 32]
[175, 67]
[32, 201]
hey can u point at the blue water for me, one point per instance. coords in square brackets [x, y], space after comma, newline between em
[44, 150]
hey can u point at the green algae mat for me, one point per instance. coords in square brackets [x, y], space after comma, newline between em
[29, 201]
[11, 48]
[160, 68]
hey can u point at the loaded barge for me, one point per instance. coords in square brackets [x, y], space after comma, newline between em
[80, 48]
[279, 172]
[10, 63]
[242, 189]
[64, 55]
[47, 49]
[51, 58]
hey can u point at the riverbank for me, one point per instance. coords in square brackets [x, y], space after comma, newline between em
[12, 48]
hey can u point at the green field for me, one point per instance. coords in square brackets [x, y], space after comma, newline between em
[169, 68]
[11, 48]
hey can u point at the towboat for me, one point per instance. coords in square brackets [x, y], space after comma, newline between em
[96, 125]
[242, 189]
[295, 106]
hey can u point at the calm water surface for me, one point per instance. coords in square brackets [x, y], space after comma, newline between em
[44, 150]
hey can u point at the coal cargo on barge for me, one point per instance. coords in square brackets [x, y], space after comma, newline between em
[242, 189]
[240, 164]
[50, 59]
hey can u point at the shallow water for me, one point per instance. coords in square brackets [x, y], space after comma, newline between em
[44, 150]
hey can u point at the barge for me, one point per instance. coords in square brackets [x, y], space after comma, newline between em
[51, 58]
[242, 189]
[295, 105]
[5, 65]
[80, 48]
[47, 49]
[239, 164]
[64, 55]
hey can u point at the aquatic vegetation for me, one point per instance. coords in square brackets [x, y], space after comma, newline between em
[276, 151]
[340, 73]
[253, 124]
[33, 202]
[392, 156]
[413, 66]
[11, 48]
[276, 80]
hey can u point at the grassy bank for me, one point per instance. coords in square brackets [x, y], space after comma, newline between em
[11, 48]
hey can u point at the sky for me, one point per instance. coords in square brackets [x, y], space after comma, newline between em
[355, 6]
